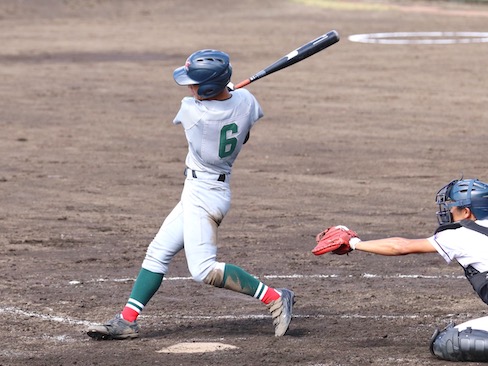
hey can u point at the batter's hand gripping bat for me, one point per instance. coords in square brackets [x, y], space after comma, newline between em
[301, 53]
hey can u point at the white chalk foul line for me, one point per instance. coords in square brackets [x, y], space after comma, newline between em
[298, 316]
[54, 318]
[421, 37]
[71, 321]
[293, 276]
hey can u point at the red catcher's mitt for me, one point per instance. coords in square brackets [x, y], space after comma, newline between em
[335, 239]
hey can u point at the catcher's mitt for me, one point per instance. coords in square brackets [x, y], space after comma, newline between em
[335, 239]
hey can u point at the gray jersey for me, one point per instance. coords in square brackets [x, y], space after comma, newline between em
[216, 129]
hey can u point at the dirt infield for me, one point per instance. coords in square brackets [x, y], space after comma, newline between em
[361, 135]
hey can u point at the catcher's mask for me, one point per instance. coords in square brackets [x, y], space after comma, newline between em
[470, 193]
[209, 69]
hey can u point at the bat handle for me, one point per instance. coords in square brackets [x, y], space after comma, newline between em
[242, 84]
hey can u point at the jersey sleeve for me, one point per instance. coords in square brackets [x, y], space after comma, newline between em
[187, 112]
[256, 110]
[466, 246]
[437, 245]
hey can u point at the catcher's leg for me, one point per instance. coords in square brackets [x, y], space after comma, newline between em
[453, 345]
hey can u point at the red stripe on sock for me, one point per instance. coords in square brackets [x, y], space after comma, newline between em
[129, 314]
[270, 295]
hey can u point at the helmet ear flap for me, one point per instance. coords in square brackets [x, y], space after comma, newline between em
[208, 90]
[217, 83]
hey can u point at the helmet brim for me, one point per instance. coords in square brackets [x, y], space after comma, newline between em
[181, 77]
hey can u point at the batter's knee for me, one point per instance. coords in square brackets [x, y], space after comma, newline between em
[201, 272]
[466, 345]
[215, 277]
[154, 264]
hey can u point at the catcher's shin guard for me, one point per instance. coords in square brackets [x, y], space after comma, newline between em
[467, 345]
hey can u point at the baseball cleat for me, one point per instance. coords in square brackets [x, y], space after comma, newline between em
[281, 311]
[117, 328]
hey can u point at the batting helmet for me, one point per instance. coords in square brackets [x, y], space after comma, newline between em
[470, 193]
[210, 69]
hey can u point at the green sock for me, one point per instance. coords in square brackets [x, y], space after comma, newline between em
[236, 279]
[146, 285]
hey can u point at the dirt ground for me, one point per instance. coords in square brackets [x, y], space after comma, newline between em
[361, 135]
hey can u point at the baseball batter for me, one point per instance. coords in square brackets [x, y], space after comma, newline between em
[217, 123]
[462, 236]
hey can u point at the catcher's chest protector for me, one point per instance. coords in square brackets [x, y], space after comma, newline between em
[479, 280]
[467, 345]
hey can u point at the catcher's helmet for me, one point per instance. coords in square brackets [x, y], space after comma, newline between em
[210, 69]
[470, 193]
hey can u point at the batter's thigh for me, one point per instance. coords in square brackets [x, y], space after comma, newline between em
[205, 204]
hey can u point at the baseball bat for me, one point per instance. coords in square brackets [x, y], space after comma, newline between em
[301, 53]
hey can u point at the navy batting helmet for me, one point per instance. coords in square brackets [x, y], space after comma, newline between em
[210, 69]
[470, 193]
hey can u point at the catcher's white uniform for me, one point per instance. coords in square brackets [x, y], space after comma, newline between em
[467, 247]
[464, 245]
[215, 131]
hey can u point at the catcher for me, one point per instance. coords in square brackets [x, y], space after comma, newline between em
[461, 236]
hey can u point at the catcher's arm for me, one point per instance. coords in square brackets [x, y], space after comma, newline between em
[396, 246]
[340, 240]
[337, 240]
